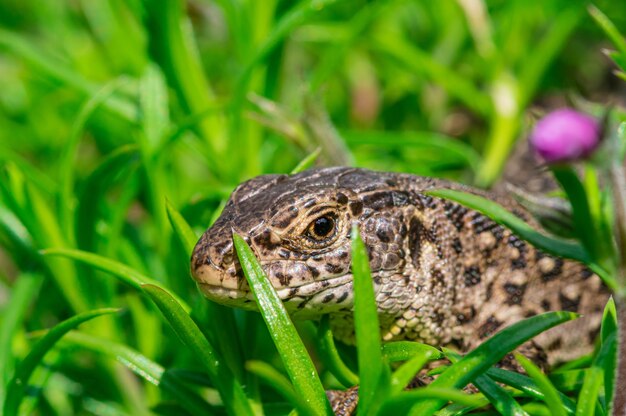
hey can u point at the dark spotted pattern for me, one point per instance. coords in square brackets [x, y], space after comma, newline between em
[472, 276]
[455, 214]
[567, 304]
[519, 262]
[515, 293]
[489, 327]
[555, 272]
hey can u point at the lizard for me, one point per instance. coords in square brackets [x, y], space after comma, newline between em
[443, 274]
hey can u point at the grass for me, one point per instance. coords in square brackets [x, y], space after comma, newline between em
[125, 125]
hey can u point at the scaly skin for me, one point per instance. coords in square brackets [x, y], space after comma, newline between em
[443, 274]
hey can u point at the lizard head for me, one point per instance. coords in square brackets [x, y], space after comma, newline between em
[299, 228]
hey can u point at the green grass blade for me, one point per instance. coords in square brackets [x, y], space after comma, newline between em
[126, 274]
[153, 103]
[528, 386]
[118, 163]
[490, 352]
[143, 367]
[230, 390]
[400, 404]
[70, 150]
[44, 63]
[445, 147]
[182, 230]
[46, 231]
[281, 384]
[228, 342]
[502, 216]
[307, 162]
[547, 50]
[135, 361]
[366, 325]
[297, 15]
[588, 396]
[405, 350]
[608, 332]
[576, 193]
[294, 355]
[19, 382]
[330, 356]
[420, 62]
[407, 371]
[595, 376]
[22, 294]
[170, 31]
[551, 395]
[568, 380]
[609, 28]
[499, 398]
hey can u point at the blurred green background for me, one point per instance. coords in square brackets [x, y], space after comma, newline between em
[108, 108]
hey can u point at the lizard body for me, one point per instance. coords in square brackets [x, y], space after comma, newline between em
[443, 274]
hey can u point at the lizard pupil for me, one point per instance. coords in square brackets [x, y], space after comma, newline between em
[323, 226]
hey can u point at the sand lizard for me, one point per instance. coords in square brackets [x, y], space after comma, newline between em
[443, 274]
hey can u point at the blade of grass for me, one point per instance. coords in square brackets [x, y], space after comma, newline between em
[153, 100]
[142, 366]
[608, 27]
[422, 63]
[178, 54]
[330, 356]
[69, 151]
[405, 350]
[551, 395]
[46, 231]
[528, 386]
[19, 382]
[568, 380]
[609, 329]
[400, 404]
[126, 274]
[294, 355]
[366, 325]
[281, 384]
[307, 162]
[41, 61]
[594, 378]
[407, 371]
[182, 230]
[547, 50]
[228, 341]
[300, 13]
[452, 148]
[499, 214]
[22, 294]
[499, 398]
[230, 390]
[120, 161]
[573, 187]
[490, 352]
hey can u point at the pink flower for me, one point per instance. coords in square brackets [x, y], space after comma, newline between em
[565, 135]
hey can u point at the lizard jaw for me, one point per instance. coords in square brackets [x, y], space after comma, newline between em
[210, 282]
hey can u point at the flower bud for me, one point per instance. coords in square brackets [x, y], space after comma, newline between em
[565, 135]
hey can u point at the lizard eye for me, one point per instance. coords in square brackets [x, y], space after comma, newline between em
[322, 228]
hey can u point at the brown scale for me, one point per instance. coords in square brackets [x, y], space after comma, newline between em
[443, 274]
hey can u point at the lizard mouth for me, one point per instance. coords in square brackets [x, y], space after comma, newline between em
[211, 284]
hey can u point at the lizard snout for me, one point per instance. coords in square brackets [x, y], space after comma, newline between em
[214, 263]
